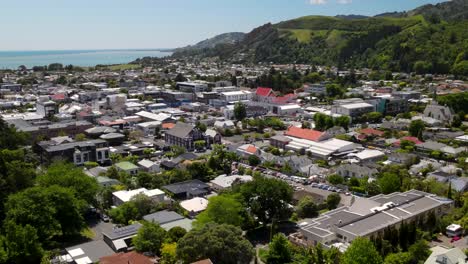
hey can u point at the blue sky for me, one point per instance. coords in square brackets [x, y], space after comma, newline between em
[106, 24]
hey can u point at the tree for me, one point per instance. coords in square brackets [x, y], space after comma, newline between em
[199, 144]
[254, 160]
[389, 182]
[240, 111]
[419, 250]
[222, 209]
[416, 128]
[22, 243]
[139, 206]
[200, 170]
[307, 208]
[399, 258]
[149, 238]
[220, 243]
[333, 200]
[374, 117]
[176, 233]
[279, 250]
[267, 198]
[69, 176]
[168, 253]
[334, 90]
[343, 121]
[10, 138]
[335, 179]
[361, 251]
[53, 211]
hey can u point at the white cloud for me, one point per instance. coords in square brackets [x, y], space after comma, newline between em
[344, 2]
[317, 2]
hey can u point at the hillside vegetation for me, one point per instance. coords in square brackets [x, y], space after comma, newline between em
[429, 39]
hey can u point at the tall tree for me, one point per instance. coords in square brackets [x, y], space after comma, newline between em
[416, 128]
[333, 200]
[149, 238]
[279, 250]
[220, 243]
[222, 209]
[307, 208]
[361, 251]
[240, 111]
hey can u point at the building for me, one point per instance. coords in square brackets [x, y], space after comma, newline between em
[120, 239]
[128, 258]
[248, 150]
[11, 87]
[193, 87]
[279, 141]
[194, 206]
[353, 110]
[235, 96]
[439, 112]
[289, 109]
[187, 189]
[121, 197]
[443, 255]
[149, 166]
[127, 167]
[224, 182]
[47, 108]
[355, 170]
[184, 135]
[78, 152]
[89, 252]
[169, 219]
[368, 217]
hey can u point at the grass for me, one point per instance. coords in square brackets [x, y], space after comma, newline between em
[323, 211]
[123, 67]
[263, 254]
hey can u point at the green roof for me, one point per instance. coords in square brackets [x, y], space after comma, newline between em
[126, 166]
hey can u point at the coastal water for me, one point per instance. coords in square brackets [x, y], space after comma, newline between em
[13, 59]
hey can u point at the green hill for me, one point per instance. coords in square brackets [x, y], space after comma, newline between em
[429, 39]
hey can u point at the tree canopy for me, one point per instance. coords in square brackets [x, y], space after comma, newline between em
[361, 251]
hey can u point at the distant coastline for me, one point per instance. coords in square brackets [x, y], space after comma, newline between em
[13, 59]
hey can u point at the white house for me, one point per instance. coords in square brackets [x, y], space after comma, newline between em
[124, 196]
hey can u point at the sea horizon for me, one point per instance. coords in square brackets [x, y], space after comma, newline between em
[83, 57]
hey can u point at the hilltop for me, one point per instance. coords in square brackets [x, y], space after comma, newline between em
[226, 38]
[428, 39]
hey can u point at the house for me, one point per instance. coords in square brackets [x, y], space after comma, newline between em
[248, 150]
[367, 155]
[415, 140]
[279, 141]
[194, 206]
[128, 258]
[443, 255]
[235, 96]
[78, 152]
[212, 137]
[402, 158]
[127, 167]
[120, 239]
[439, 112]
[120, 197]
[149, 166]
[184, 135]
[187, 189]
[224, 182]
[459, 184]
[289, 109]
[353, 110]
[356, 170]
[228, 124]
[370, 133]
[46, 108]
[441, 176]
[169, 219]
[89, 252]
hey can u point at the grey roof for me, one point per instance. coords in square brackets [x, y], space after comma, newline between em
[122, 232]
[81, 144]
[112, 136]
[184, 223]
[181, 130]
[192, 186]
[100, 130]
[163, 217]
[94, 250]
[281, 138]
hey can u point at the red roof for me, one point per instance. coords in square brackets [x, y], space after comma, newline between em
[168, 125]
[285, 98]
[59, 96]
[126, 258]
[263, 91]
[304, 133]
[251, 149]
[372, 132]
[415, 140]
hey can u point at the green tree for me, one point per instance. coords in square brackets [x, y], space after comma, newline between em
[399, 258]
[254, 160]
[279, 250]
[22, 243]
[419, 250]
[343, 121]
[176, 233]
[199, 144]
[69, 176]
[10, 138]
[389, 182]
[361, 251]
[53, 211]
[149, 238]
[307, 208]
[222, 209]
[333, 200]
[220, 243]
[374, 117]
[169, 253]
[416, 128]
[335, 179]
[267, 198]
[200, 170]
[240, 111]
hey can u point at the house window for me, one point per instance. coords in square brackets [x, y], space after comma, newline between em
[106, 154]
[85, 157]
[77, 158]
[99, 155]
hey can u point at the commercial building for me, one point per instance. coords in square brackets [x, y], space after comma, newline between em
[235, 96]
[353, 110]
[194, 87]
[78, 152]
[367, 217]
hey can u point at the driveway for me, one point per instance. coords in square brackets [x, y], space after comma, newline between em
[99, 227]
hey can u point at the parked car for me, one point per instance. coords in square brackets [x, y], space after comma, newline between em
[456, 238]
[105, 218]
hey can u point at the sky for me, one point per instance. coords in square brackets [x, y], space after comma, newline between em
[141, 24]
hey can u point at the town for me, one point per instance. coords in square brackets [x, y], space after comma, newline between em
[207, 162]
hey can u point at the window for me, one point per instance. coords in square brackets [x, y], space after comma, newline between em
[99, 155]
[85, 157]
[106, 154]
[77, 158]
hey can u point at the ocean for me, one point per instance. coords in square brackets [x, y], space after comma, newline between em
[13, 59]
